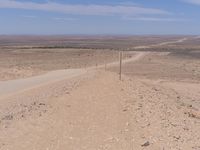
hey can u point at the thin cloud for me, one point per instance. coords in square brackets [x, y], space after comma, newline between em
[65, 19]
[128, 3]
[152, 19]
[29, 16]
[79, 9]
[196, 2]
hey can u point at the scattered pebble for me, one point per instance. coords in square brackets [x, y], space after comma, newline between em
[43, 104]
[124, 110]
[8, 117]
[147, 143]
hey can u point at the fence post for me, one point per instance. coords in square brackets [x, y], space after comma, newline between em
[120, 65]
[105, 65]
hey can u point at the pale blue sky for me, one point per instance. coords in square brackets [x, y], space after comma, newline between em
[100, 17]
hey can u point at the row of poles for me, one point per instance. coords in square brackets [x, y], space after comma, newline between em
[120, 64]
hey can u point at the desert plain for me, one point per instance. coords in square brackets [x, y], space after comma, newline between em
[64, 93]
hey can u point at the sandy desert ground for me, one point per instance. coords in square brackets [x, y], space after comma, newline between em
[64, 98]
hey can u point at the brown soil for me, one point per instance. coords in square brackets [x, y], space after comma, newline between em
[156, 106]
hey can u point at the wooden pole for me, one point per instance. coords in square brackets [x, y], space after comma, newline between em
[120, 65]
[105, 63]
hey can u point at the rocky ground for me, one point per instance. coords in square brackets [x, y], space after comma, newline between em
[156, 106]
[101, 112]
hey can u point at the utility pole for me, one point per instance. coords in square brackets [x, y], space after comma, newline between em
[105, 65]
[120, 65]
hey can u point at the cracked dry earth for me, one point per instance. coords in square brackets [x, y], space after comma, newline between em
[103, 113]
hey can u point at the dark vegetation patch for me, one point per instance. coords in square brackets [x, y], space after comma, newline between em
[92, 42]
[186, 54]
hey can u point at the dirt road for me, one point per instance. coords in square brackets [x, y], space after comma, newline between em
[161, 44]
[14, 86]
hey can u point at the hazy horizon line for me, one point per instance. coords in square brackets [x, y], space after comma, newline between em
[99, 34]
